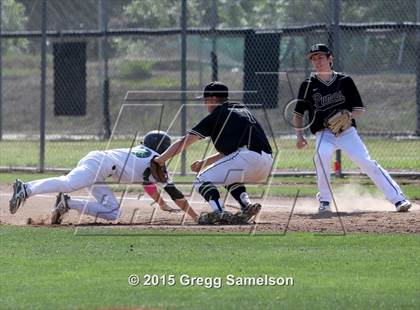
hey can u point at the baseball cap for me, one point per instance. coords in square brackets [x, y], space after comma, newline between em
[216, 89]
[319, 48]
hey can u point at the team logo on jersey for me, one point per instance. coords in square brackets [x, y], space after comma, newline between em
[142, 153]
[328, 101]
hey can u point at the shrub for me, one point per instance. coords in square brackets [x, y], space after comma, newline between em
[136, 69]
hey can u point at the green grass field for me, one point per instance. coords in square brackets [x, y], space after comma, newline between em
[44, 268]
[54, 268]
[390, 153]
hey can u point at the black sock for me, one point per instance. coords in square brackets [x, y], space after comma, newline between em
[211, 194]
[236, 190]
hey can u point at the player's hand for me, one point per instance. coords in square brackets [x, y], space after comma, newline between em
[169, 209]
[301, 143]
[157, 160]
[197, 165]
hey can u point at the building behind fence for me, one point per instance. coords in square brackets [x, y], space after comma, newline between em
[66, 66]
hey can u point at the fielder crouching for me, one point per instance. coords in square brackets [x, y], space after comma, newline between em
[243, 155]
[123, 165]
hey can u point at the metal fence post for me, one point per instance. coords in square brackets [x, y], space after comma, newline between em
[213, 54]
[43, 86]
[418, 68]
[103, 59]
[1, 76]
[184, 81]
[334, 37]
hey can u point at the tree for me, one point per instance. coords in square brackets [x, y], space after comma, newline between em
[13, 18]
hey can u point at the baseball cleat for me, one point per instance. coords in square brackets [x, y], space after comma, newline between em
[59, 209]
[403, 206]
[19, 196]
[251, 209]
[243, 216]
[324, 206]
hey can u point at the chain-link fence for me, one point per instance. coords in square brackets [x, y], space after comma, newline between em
[98, 50]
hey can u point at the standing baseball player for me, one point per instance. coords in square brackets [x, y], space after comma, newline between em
[333, 103]
[123, 165]
[243, 153]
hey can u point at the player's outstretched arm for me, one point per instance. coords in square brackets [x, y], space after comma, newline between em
[186, 207]
[180, 200]
[176, 148]
[152, 191]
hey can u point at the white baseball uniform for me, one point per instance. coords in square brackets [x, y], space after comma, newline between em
[237, 134]
[122, 165]
[322, 99]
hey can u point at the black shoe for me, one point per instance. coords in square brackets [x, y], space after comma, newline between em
[59, 209]
[19, 196]
[247, 213]
[403, 205]
[324, 207]
[251, 209]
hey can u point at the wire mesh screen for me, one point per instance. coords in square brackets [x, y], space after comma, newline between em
[136, 45]
[20, 88]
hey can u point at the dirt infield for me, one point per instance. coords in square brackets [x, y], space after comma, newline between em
[365, 214]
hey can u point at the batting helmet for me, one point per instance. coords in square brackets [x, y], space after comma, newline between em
[157, 140]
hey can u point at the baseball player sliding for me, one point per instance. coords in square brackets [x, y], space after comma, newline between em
[333, 103]
[122, 165]
[243, 154]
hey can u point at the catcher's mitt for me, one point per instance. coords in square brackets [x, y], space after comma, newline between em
[224, 218]
[339, 122]
[214, 218]
[159, 173]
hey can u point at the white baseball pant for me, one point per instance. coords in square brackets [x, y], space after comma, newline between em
[88, 172]
[351, 145]
[242, 166]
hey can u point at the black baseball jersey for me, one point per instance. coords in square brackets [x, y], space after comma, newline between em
[322, 99]
[231, 126]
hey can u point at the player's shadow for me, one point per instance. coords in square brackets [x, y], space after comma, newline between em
[209, 234]
[144, 223]
[157, 223]
[327, 215]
